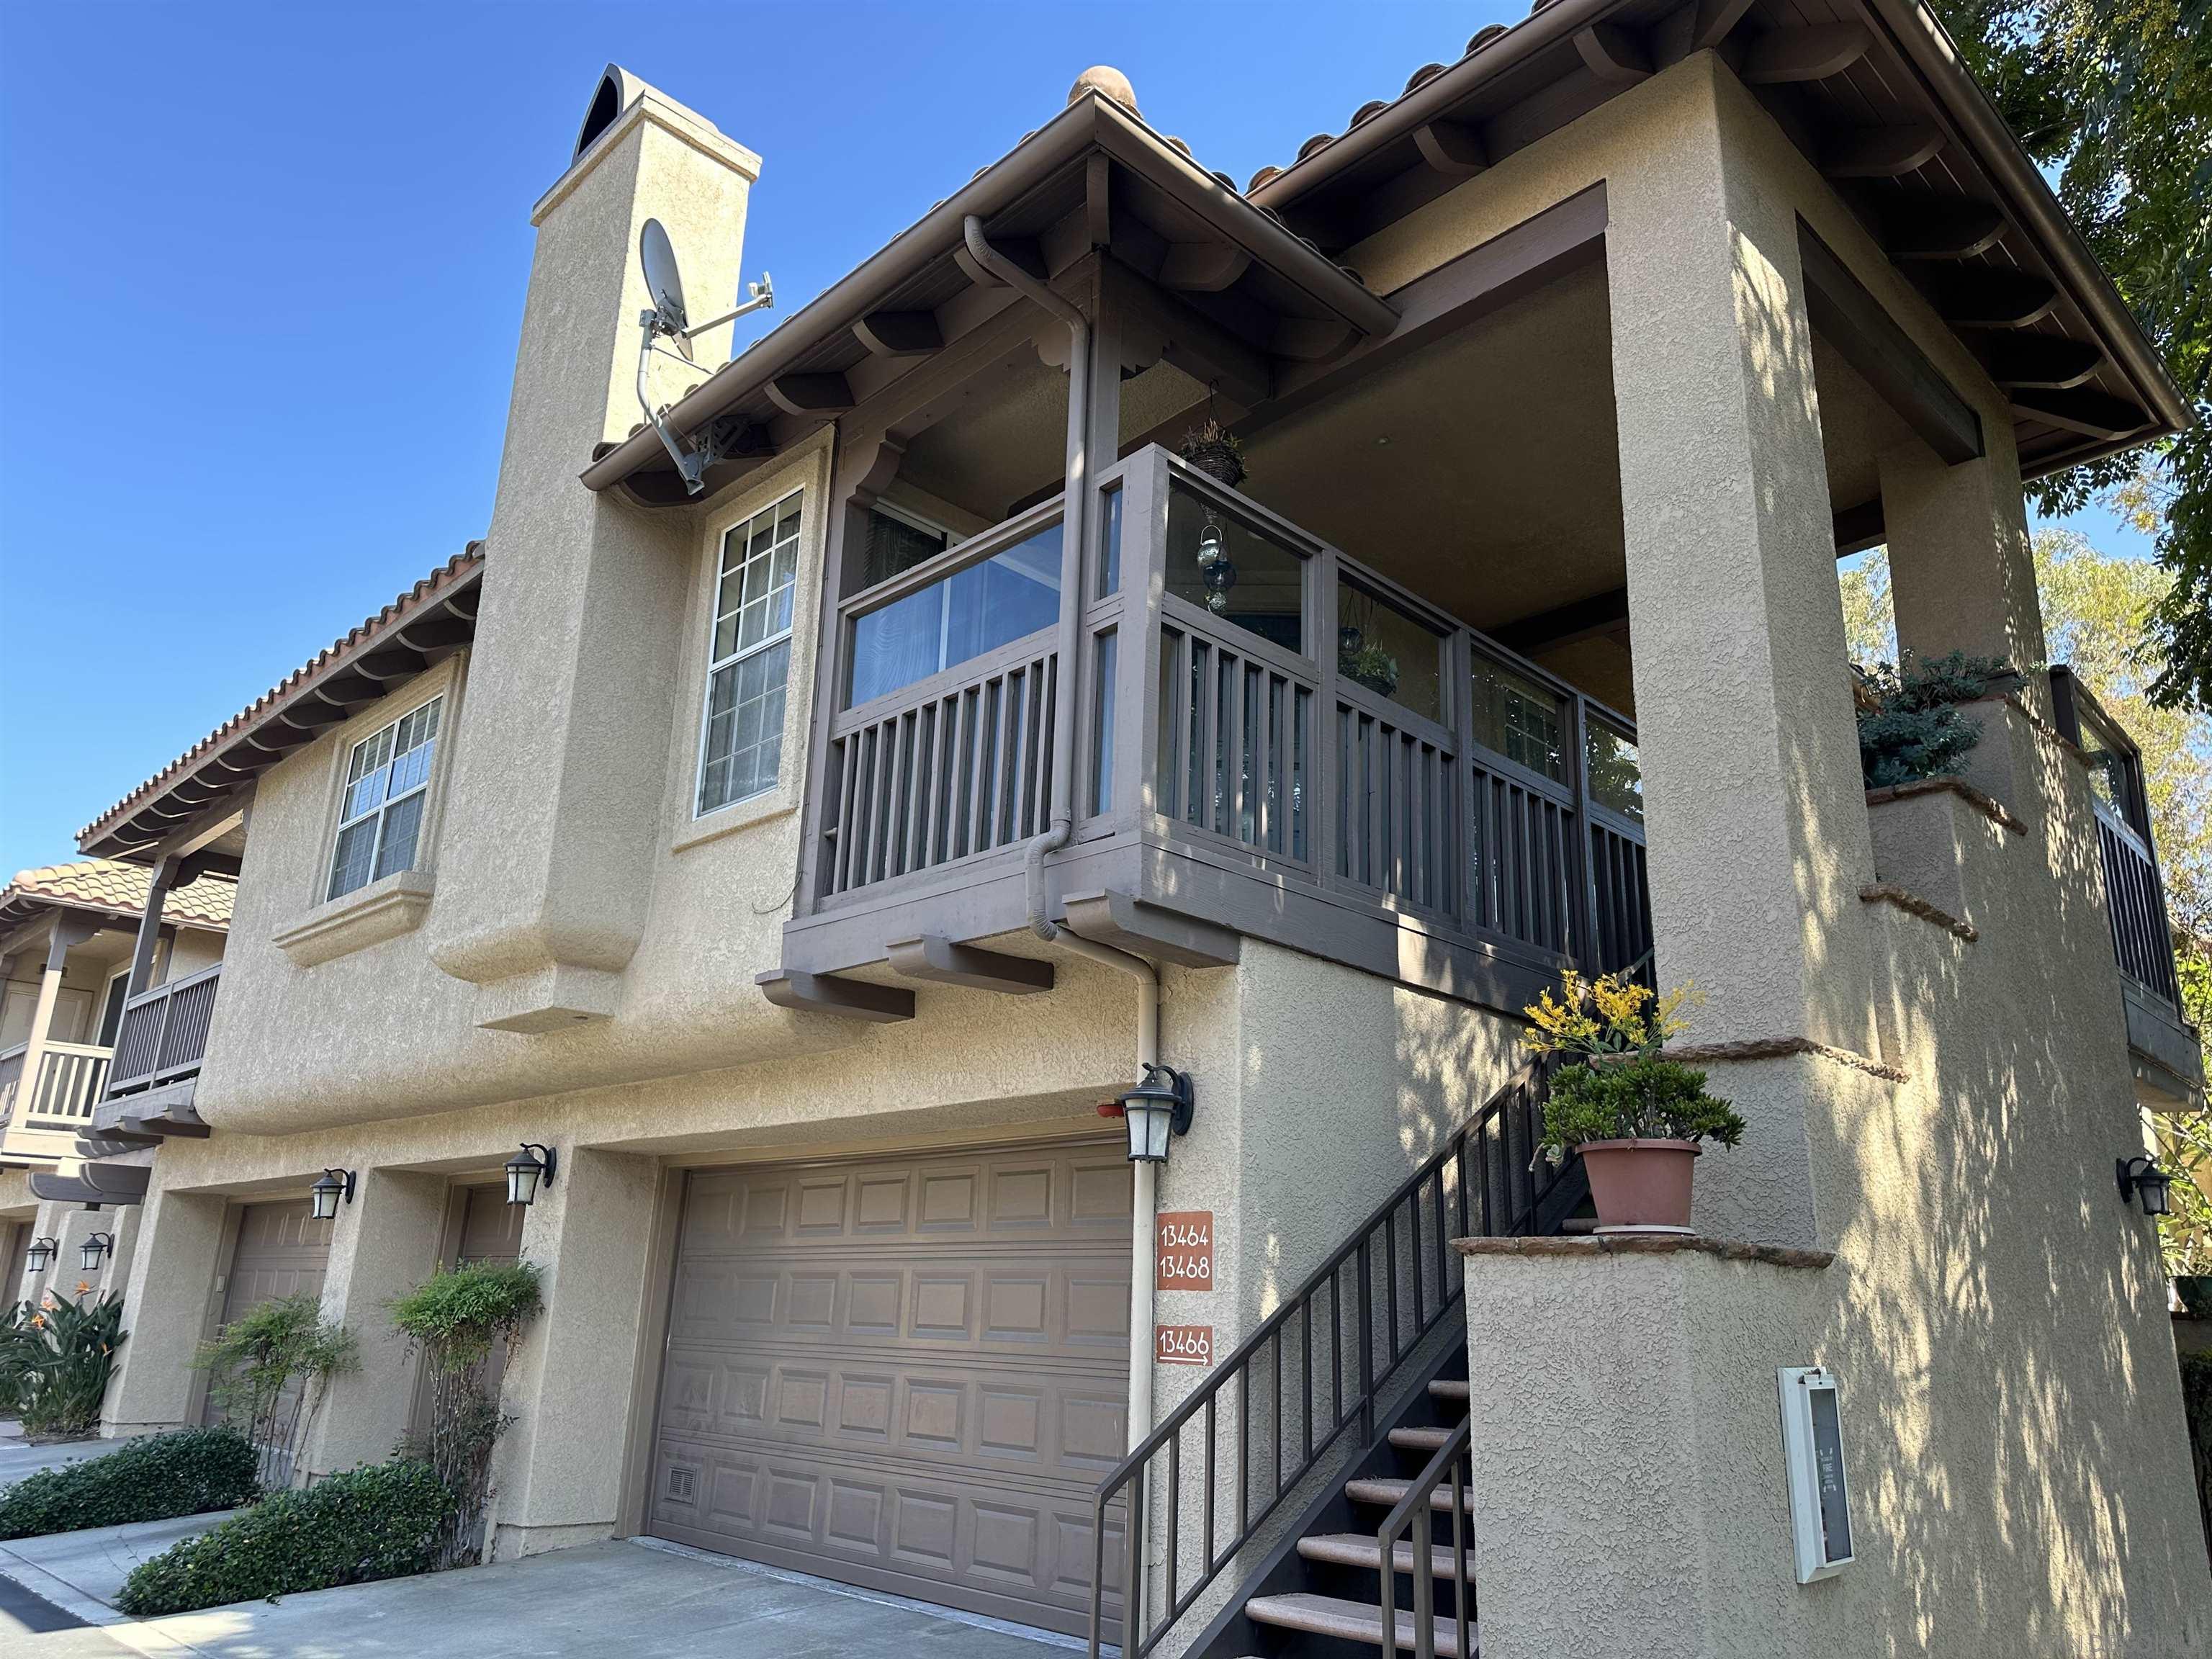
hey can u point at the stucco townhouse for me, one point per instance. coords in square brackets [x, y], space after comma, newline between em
[846, 768]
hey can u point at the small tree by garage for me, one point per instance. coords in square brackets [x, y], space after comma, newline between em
[456, 1319]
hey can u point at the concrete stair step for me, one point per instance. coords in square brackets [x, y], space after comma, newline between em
[1354, 1549]
[1349, 1621]
[1385, 1494]
[1445, 1390]
[1425, 1440]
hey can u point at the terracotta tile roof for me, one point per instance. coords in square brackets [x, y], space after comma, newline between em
[109, 884]
[440, 581]
[1367, 112]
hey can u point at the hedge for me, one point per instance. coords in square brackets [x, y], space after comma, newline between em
[382, 1522]
[185, 1473]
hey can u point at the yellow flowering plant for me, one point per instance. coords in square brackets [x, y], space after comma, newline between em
[1616, 1083]
[1611, 1015]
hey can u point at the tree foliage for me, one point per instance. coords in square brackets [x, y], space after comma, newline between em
[2112, 99]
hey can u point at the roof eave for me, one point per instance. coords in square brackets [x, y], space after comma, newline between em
[1090, 121]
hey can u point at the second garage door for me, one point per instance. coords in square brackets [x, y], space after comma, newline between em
[281, 1250]
[906, 1374]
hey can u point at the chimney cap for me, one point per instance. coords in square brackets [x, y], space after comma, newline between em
[1108, 82]
[617, 89]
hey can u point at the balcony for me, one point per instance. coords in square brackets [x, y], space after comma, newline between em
[158, 1049]
[1273, 739]
[2168, 1057]
[47, 1093]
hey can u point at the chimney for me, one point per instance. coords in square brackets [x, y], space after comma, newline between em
[562, 749]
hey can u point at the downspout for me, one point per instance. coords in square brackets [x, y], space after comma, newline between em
[1061, 824]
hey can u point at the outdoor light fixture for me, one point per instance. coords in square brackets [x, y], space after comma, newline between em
[1158, 1107]
[2141, 1180]
[97, 1248]
[42, 1251]
[331, 1187]
[526, 1169]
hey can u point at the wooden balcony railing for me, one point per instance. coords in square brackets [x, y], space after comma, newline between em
[2135, 892]
[164, 1032]
[47, 1083]
[1252, 701]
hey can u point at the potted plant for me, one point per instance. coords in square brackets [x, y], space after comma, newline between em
[1910, 725]
[1213, 449]
[1636, 1116]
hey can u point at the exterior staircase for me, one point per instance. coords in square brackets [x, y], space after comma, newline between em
[1343, 1510]
[1322, 1594]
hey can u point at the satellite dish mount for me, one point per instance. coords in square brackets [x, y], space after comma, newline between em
[667, 317]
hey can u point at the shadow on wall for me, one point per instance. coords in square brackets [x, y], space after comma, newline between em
[2019, 1443]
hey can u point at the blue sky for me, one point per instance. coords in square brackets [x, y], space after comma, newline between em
[262, 271]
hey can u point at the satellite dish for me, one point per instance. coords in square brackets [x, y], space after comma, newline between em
[663, 282]
[657, 255]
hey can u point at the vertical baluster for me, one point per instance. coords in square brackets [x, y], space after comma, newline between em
[1367, 1343]
[1424, 1584]
[1211, 1400]
[1413, 1254]
[1305, 1377]
[1175, 1523]
[1462, 1587]
[1134, 1641]
[896, 796]
[1390, 1275]
[1243, 1447]
[1443, 1238]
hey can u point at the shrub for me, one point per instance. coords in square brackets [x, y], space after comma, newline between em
[22, 1346]
[456, 1318]
[269, 1368]
[382, 1522]
[186, 1472]
[66, 1371]
[1910, 727]
[1636, 1099]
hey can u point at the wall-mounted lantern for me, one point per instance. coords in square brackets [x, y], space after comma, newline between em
[1158, 1107]
[2141, 1180]
[96, 1248]
[42, 1251]
[526, 1170]
[332, 1187]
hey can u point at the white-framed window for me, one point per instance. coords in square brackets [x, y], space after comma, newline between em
[748, 657]
[380, 813]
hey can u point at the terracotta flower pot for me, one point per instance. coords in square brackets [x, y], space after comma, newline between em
[1640, 1184]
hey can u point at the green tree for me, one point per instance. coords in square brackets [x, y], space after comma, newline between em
[2112, 99]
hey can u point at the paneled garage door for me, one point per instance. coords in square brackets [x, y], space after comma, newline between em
[906, 1374]
[281, 1250]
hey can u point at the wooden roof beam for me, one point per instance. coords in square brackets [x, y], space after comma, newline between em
[1941, 228]
[2044, 361]
[1988, 296]
[1454, 148]
[896, 334]
[1202, 267]
[1880, 152]
[1614, 53]
[2085, 409]
[811, 394]
[1786, 56]
[828, 993]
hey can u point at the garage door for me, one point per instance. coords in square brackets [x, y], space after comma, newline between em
[905, 1374]
[281, 1250]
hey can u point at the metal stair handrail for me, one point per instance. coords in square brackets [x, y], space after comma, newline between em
[1417, 1511]
[1506, 1122]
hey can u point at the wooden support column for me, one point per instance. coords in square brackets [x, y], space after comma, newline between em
[149, 924]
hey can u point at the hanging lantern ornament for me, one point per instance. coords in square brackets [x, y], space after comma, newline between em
[1215, 567]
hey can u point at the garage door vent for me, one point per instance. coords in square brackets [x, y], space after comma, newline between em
[681, 1483]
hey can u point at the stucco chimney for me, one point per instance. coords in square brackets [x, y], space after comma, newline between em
[561, 746]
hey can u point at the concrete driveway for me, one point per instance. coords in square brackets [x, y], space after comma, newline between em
[644, 1600]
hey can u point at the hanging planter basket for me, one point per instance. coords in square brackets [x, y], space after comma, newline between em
[1214, 451]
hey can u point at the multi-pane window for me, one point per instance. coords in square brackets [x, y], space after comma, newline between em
[749, 656]
[381, 817]
[1519, 719]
